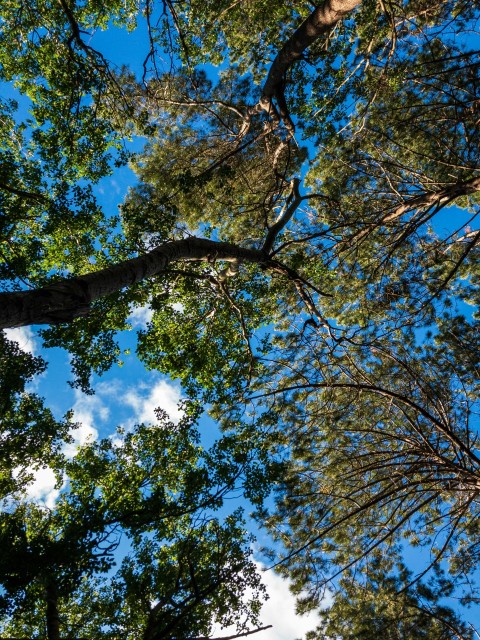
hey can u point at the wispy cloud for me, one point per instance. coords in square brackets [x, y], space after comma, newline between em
[115, 186]
[144, 400]
[88, 412]
[24, 337]
[140, 317]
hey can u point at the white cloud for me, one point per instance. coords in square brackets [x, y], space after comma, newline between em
[24, 337]
[163, 395]
[279, 611]
[110, 389]
[88, 411]
[140, 316]
[41, 489]
[116, 187]
[81, 435]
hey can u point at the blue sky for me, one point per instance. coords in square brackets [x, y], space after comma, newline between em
[127, 395]
[124, 397]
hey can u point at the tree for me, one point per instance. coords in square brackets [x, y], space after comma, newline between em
[382, 606]
[381, 451]
[31, 437]
[156, 492]
[300, 297]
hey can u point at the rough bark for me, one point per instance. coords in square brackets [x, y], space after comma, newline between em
[319, 23]
[236, 635]
[286, 215]
[53, 620]
[70, 298]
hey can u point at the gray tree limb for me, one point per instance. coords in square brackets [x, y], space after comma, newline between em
[70, 298]
[320, 22]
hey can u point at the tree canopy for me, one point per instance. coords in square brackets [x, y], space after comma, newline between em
[303, 229]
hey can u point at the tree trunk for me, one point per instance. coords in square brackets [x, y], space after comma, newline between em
[70, 298]
[53, 620]
[319, 23]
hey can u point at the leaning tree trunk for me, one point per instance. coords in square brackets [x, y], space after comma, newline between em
[70, 298]
[319, 23]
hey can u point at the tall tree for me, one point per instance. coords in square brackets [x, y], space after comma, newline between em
[381, 606]
[154, 491]
[299, 292]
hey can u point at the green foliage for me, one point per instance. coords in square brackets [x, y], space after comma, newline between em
[43, 53]
[183, 568]
[30, 438]
[384, 605]
[341, 362]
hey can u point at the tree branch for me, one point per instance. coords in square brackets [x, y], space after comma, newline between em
[448, 194]
[378, 390]
[67, 299]
[319, 23]
[237, 635]
[285, 216]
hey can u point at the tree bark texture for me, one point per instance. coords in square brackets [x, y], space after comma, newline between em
[67, 299]
[436, 198]
[53, 620]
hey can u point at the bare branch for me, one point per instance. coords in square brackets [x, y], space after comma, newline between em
[293, 201]
[237, 635]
